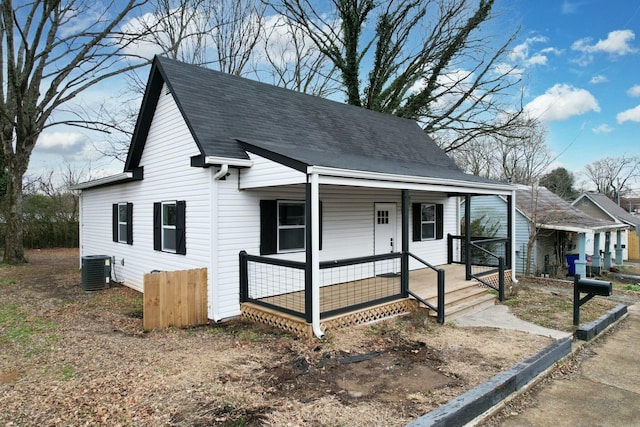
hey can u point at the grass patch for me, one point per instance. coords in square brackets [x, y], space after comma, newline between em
[635, 288]
[553, 310]
[18, 328]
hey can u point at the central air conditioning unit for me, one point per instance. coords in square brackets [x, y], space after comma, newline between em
[96, 272]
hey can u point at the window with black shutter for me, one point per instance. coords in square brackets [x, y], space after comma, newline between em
[122, 223]
[169, 227]
[428, 221]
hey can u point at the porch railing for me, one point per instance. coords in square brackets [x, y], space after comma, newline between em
[346, 285]
[485, 256]
[439, 308]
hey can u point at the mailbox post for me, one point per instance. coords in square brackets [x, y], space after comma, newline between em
[590, 287]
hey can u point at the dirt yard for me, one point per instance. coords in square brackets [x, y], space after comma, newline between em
[70, 357]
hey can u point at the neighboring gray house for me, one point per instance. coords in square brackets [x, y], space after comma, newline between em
[220, 166]
[560, 230]
[600, 206]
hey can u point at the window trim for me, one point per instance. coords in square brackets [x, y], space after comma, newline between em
[116, 223]
[417, 221]
[423, 222]
[180, 227]
[290, 227]
[164, 227]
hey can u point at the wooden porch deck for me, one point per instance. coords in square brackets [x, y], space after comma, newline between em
[460, 296]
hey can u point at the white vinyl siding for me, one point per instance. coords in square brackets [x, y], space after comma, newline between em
[266, 173]
[168, 175]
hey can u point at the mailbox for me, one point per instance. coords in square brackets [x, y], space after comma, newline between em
[596, 287]
[590, 287]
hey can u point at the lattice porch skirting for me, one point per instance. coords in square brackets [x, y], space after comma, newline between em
[301, 328]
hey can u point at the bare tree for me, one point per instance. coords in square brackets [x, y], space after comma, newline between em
[61, 48]
[523, 153]
[425, 60]
[613, 175]
[519, 156]
[292, 59]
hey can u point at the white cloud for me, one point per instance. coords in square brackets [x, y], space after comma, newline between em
[521, 52]
[561, 102]
[631, 115]
[569, 7]
[634, 91]
[63, 143]
[617, 43]
[603, 128]
[598, 79]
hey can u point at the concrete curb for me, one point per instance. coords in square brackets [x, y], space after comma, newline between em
[588, 331]
[478, 400]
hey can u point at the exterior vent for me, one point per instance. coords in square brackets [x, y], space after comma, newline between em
[96, 272]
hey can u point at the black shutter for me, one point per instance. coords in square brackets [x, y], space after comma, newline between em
[417, 221]
[157, 226]
[129, 223]
[268, 227]
[114, 221]
[181, 227]
[439, 221]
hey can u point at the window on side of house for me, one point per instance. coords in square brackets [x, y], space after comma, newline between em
[169, 227]
[122, 223]
[428, 221]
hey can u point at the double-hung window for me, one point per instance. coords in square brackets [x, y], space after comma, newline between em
[291, 226]
[428, 221]
[122, 223]
[169, 226]
[283, 226]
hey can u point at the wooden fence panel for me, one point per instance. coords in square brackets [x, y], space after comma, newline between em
[175, 298]
[633, 245]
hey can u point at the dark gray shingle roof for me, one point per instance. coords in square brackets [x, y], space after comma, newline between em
[221, 110]
[551, 210]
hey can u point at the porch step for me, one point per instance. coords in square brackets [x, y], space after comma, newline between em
[463, 300]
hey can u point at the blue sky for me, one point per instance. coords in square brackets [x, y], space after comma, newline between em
[580, 62]
[582, 74]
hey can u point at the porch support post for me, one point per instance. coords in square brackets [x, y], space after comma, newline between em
[404, 267]
[313, 251]
[619, 248]
[467, 236]
[581, 262]
[607, 250]
[595, 259]
[511, 216]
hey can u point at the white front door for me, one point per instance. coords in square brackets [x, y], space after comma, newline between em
[384, 230]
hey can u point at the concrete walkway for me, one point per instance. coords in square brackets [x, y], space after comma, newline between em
[499, 316]
[604, 392]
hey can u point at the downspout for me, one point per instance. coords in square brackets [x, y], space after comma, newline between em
[514, 260]
[213, 223]
[315, 256]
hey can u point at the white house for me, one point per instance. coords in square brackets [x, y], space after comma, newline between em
[220, 165]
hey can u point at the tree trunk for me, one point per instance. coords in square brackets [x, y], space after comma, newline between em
[13, 243]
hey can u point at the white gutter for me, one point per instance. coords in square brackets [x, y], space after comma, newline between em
[315, 256]
[505, 189]
[102, 181]
[242, 163]
[221, 173]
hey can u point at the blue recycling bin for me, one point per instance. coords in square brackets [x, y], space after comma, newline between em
[571, 262]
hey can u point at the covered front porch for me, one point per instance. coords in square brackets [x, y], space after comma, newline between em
[366, 289]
